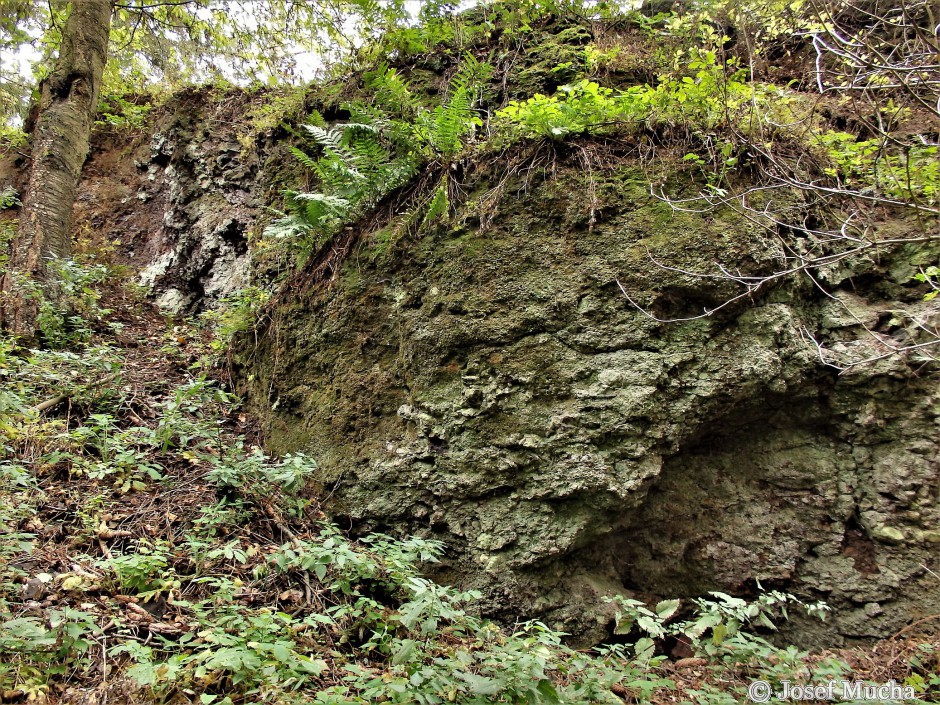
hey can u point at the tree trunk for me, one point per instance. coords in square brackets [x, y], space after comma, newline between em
[67, 107]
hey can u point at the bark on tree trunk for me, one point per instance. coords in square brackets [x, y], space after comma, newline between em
[67, 107]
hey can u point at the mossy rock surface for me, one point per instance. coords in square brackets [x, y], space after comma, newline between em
[493, 388]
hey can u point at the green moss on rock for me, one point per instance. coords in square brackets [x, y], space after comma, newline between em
[493, 388]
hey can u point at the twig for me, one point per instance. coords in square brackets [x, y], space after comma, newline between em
[62, 398]
[49, 403]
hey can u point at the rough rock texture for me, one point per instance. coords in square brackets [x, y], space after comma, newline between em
[209, 188]
[181, 194]
[491, 387]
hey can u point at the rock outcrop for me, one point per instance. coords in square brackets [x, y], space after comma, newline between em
[489, 385]
[179, 197]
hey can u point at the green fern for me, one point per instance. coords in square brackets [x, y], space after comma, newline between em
[375, 117]
[391, 90]
[443, 130]
[332, 141]
[320, 208]
[360, 162]
[287, 227]
[356, 169]
[315, 118]
[439, 207]
[304, 158]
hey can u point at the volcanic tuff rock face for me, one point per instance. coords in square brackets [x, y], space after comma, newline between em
[489, 385]
[492, 388]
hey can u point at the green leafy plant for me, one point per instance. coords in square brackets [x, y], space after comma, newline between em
[9, 198]
[234, 314]
[188, 416]
[725, 618]
[145, 572]
[577, 109]
[930, 276]
[12, 136]
[101, 449]
[116, 111]
[925, 665]
[356, 169]
[37, 651]
[68, 315]
[253, 470]
[708, 94]
[439, 133]
[911, 172]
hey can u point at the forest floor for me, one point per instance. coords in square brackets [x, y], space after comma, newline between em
[150, 552]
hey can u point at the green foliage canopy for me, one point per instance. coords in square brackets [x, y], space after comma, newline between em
[168, 43]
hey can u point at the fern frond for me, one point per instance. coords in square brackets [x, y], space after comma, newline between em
[391, 90]
[470, 77]
[336, 173]
[325, 137]
[448, 124]
[316, 119]
[439, 207]
[398, 172]
[359, 166]
[359, 126]
[304, 158]
[312, 216]
[368, 115]
[367, 154]
[287, 227]
[327, 202]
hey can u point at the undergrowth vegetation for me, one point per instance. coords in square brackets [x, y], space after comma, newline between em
[713, 96]
[152, 552]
